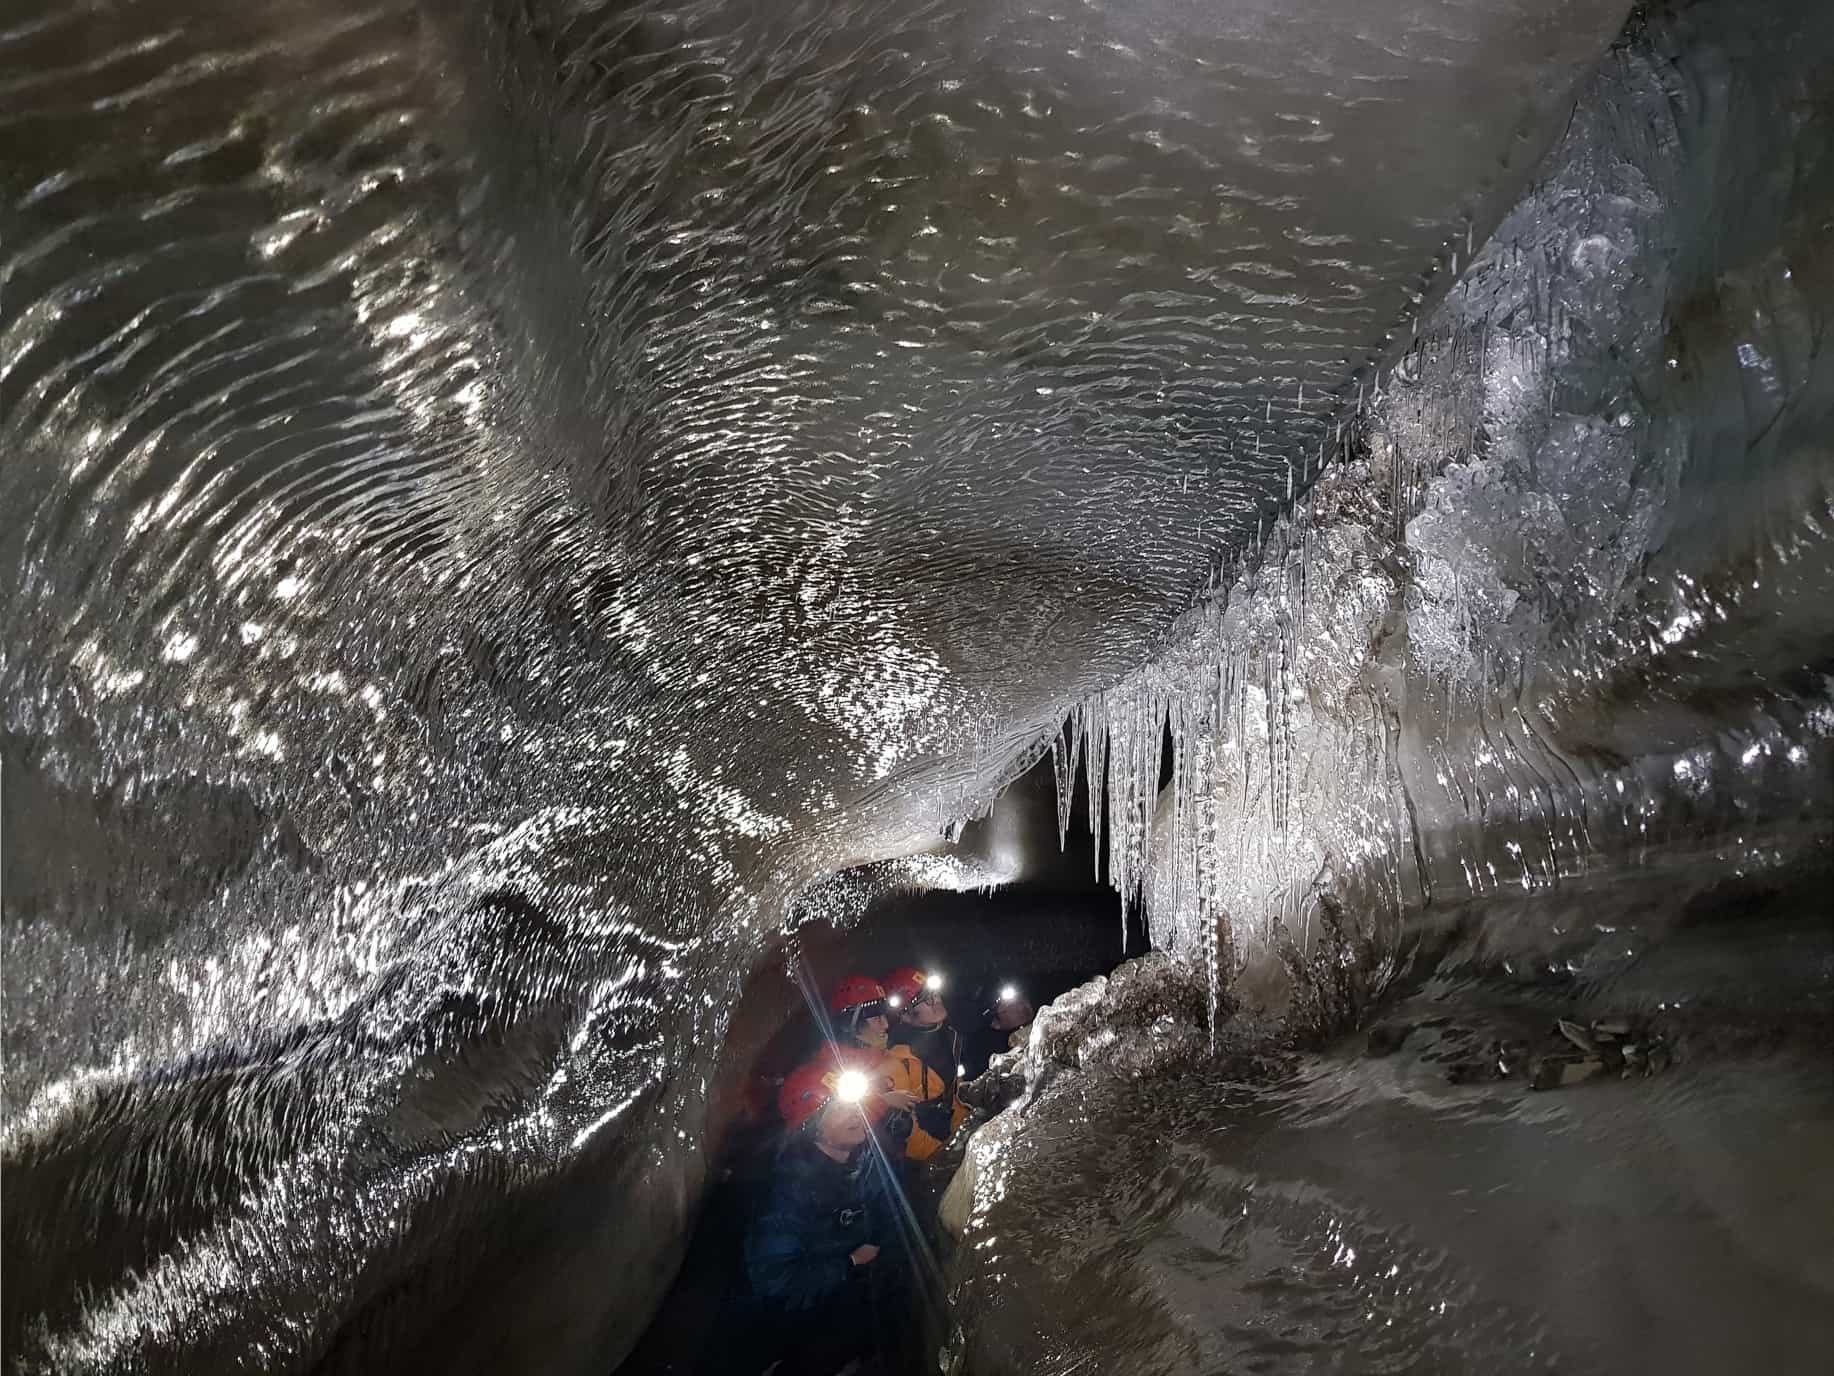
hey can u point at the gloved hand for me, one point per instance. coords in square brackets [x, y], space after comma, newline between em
[936, 1117]
[897, 1126]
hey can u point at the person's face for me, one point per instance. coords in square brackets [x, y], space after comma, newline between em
[874, 1031]
[1013, 1013]
[842, 1126]
[927, 1011]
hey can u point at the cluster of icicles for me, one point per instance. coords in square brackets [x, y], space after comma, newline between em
[1226, 704]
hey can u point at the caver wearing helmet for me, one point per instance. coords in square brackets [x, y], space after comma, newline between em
[908, 986]
[810, 1089]
[858, 1005]
[827, 1213]
[1004, 1024]
[860, 1027]
[926, 1058]
[855, 1074]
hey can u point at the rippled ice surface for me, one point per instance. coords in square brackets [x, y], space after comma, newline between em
[500, 499]
[1364, 1214]
[1369, 1217]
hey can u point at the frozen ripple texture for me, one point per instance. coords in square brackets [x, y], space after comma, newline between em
[501, 499]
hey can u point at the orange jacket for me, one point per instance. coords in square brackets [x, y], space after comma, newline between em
[910, 1074]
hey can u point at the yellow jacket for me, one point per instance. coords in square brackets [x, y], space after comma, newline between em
[910, 1074]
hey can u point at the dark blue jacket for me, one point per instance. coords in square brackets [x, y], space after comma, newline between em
[816, 1211]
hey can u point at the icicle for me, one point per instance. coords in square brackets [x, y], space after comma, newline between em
[1209, 908]
[1180, 801]
[1064, 746]
[1135, 732]
[1305, 565]
[1120, 743]
[1219, 719]
[1131, 837]
[1095, 764]
[1146, 774]
[1289, 662]
[1276, 680]
[1281, 761]
[1241, 713]
[1124, 827]
[1394, 486]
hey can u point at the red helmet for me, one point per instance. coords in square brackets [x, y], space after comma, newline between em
[809, 1088]
[806, 1092]
[854, 991]
[903, 987]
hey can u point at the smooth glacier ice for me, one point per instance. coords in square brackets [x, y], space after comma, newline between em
[511, 509]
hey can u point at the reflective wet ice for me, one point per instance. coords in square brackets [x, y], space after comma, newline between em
[1419, 1196]
[512, 511]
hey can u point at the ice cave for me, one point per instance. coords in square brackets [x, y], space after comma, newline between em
[538, 534]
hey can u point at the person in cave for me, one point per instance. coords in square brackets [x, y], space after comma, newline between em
[821, 1255]
[926, 1058]
[860, 1012]
[1002, 1026]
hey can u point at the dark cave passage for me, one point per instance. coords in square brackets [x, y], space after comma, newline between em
[1044, 934]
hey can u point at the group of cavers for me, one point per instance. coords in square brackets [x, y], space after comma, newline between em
[836, 1252]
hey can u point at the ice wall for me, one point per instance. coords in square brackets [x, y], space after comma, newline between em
[1560, 595]
[501, 500]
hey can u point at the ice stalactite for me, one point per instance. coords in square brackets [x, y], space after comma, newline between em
[1492, 642]
[1065, 746]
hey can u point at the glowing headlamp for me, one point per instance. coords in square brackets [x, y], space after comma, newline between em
[933, 983]
[851, 1087]
[1008, 993]
[894, 1000]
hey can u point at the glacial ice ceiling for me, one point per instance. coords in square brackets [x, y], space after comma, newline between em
[501, 498]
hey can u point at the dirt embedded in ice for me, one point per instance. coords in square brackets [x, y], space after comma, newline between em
[1400, 1198]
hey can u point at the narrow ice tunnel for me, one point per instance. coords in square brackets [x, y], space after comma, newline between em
[517, 517]
[1011, 948]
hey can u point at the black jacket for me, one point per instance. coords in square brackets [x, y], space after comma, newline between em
[798, 1253]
